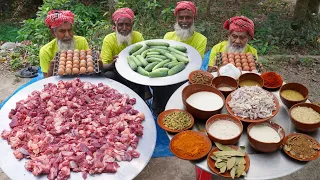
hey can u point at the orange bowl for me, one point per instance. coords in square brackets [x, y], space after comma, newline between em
[164, 113]
[181, 152]
[203, 77]
[222, 81]
[253, 120]
[251, 76]
[228, 117]
[197, 113]
[305, 127]
[211, 162]
[298, 158]
[265, 146]
[296, 87]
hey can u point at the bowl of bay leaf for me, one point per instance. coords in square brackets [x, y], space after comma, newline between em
[228, 161]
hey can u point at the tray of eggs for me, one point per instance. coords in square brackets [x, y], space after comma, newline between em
[243, 61]
[76, 62]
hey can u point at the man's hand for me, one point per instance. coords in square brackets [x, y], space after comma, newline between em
[212, 68]
[111, 66]
[50, 71]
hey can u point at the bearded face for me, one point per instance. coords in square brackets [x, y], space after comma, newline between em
[184, 33]
[237, 41]
[184, 25]
[66, 45]
[123, 39]
[123, 29]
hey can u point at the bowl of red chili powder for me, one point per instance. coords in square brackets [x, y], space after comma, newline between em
[272, 80]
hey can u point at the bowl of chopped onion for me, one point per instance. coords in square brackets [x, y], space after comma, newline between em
[305, 116]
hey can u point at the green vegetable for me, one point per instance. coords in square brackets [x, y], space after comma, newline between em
[180, 48]
[172, 64]
[142, 71]
[142, 60]
[138, 63]
[135, 48]
[176, 69]
[170, 56]
[160, 65]
[159, 47]
[144, 53]
[131, 63]
[177, 120]
[161, 72]
[144, 47]
[150, 66]
[155, 43]
[157, 56]
[153, 53]
[180, 58]
[154, 60]
[177, 52]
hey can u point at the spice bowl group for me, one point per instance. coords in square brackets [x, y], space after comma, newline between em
[305, 116]
[175, 120]
[224, 129]
[265, 137]
[225, 84]
[202, 101]
[293, 93]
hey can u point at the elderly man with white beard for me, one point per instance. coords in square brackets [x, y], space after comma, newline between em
[241, 31]
[115, 42]
[185, 13]
[60, 25]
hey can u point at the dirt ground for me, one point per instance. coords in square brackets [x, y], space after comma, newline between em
[292, 69]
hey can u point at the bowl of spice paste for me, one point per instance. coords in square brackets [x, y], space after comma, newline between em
[293, 93]
[175, 120]
[200, 77]
[271, 80]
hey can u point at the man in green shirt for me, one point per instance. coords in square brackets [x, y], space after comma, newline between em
[241, 31]
[185, 13]
[115, 42]
[60, 25]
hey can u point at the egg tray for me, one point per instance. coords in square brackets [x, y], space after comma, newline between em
[95, 58]
[259, 66]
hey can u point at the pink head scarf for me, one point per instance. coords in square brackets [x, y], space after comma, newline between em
[121, 13]
[185, 5]
[56, 17]
[240, 24]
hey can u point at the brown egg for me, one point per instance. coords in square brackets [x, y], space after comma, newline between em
[243, 60]
[82, 50]
[75, 59]
[76, 55]
[69, 62]
[83, 54]
[60, 71]
[63, 55]
[76, 51]
[240, 68]
[83, 61]
[62, 59]
[69, 55]
[237, 60]
[236, 53]
[231, 56]
[246, 68]
[88, 56]
[75, 71]
[231, 60]
[230, 53]
[252, 64]
[69, 66]
[89, 59]
[252, 68]
[238, 64]
[83, 64]
[82, 57]
[232, 63]
[245, 64]
[75, 65]
[62, 67]
[250, 60]
[248, 53]
[70, 52]
[69, 58]
[250, 57]
[62, 63]
[89, 64]
[89, 52]
[68, 71]
[225, 62]
[242, 54]
[83, 70]
[237, 57]
[63, 51]
[243, 57]
[224, 59]
[90, 69]
[224, 56]
[76, 62]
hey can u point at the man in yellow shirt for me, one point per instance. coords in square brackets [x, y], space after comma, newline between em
[185, 13]
[241, 31]
[115, 42]
[60, 25]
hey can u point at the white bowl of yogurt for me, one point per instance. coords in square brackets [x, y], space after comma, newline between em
[224, 129]
[265, 137]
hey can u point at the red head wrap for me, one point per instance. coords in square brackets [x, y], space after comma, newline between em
[240, 24]
[56, 17]
[121, 13]
[185, 5]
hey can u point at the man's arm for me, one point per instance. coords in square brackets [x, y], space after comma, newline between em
[202, 47]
